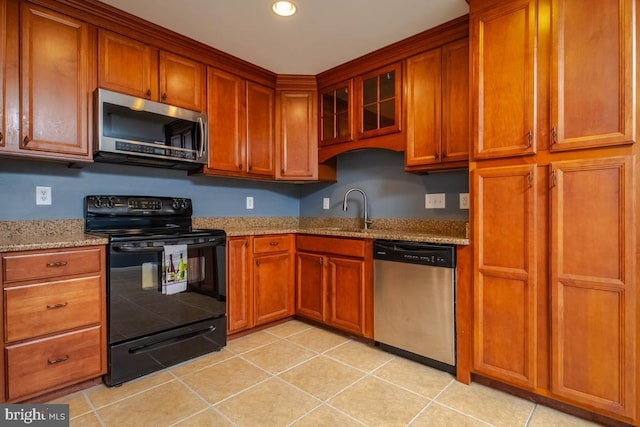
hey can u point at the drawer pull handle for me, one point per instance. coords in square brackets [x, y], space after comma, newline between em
[274, 243]
[57, 264]
[59, 305]
[59, 360]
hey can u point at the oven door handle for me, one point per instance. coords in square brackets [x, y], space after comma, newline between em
[135, 249]
[156, 345]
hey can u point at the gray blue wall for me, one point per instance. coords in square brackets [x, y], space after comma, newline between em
[212, 196]
[392, 192]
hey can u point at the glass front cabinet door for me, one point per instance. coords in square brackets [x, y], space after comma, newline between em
[379, 102]
[337, 113]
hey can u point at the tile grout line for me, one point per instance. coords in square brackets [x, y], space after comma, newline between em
[526, 424]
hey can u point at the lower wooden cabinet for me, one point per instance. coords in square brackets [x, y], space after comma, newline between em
[260, 280]
[334, 282]
[593, 284]
[554, 281]
[54, 319]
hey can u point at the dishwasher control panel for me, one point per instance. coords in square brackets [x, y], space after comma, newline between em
[415, 253]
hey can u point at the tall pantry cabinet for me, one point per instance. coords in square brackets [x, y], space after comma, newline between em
[554, 184]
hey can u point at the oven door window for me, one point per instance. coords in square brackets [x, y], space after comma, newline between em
[137, 306]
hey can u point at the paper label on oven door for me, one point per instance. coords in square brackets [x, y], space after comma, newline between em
[150, 275]
[175, 268]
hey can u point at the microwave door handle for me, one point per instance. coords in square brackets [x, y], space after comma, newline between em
[202, 139]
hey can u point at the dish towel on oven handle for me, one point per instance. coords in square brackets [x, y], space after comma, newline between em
[174, 267]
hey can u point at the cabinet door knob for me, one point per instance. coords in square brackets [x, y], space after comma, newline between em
[257, 262]
[148, 93]
[554, 134]
[529, 139]
[164, 96]
[274, 243]
[25, 141]
[436, 156]
[1, 136]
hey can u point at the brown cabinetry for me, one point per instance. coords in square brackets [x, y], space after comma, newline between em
[4, 30]
[240, 114]
[260, 280]
[47, 74]
[554, 233]
[504, 276]
[336, 114]
[593, 283]
[296, 128]
[158, 75]
[379, 101]
[503, 58]
[592, 104]
[334, 283]
[54, 319]
[437, 105]
[273, 278]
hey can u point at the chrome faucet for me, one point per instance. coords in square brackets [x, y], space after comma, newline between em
[367, 221]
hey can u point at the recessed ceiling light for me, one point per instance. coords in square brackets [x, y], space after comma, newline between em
[284, 8]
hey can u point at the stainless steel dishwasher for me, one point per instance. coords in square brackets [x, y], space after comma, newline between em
[414, 301]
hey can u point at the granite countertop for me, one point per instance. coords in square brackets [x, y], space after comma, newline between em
[46, 234]
[429, 231]
[52, 234]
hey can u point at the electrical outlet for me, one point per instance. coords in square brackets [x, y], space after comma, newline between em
[464, 200]
[249, 202]
[434, 201]
[326, 203]
[43, 195]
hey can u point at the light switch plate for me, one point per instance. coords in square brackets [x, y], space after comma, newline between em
[434, 201]
[464, 200]
[249, 202]
[325, 203]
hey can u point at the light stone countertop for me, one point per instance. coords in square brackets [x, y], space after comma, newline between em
[52, 234]
[45, 234]
[453, 232]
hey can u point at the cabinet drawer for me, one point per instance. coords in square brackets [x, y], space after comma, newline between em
[51, 307]
[52, 362]
[263, 244]
[332, 245]
[48, 264]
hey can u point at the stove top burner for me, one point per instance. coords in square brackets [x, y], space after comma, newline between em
[141, 217]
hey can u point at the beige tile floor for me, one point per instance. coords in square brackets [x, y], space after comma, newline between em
[295, 374]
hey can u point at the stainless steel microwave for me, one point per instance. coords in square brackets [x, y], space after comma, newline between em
[137, 131]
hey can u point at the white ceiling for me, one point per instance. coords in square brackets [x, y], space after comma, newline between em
[321, 35]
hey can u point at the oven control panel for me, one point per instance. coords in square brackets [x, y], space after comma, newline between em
[138, 205]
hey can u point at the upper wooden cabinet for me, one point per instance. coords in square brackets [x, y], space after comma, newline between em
[297, 129]
[336, 113]
[592, 105]
[503, 47]
[380, 101]
[3, 73]
[437, 105]
[240, 113]
[182, 82]
[56, 75]
[158, 76]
